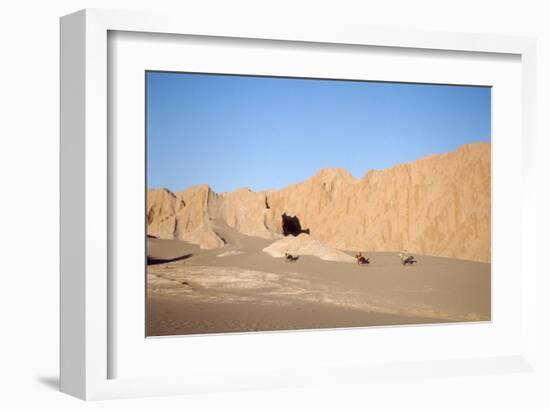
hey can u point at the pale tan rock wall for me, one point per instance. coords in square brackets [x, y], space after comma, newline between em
[439, 205]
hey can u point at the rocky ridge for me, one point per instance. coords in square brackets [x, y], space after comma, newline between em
[439, 205]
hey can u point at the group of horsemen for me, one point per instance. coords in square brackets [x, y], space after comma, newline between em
[406, 259]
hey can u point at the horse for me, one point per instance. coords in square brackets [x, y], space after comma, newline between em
[406, 259]
[289, 258]
[361, 259]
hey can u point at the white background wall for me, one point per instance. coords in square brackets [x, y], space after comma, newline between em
[29, 204]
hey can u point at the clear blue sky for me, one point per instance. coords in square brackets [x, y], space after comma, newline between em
[264, 133]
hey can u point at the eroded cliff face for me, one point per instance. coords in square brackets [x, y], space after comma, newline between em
[439, 205]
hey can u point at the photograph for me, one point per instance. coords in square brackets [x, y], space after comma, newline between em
[288, 203]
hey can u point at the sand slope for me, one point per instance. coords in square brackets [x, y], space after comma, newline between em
[192, 290]
[305, 245]
[439, 205]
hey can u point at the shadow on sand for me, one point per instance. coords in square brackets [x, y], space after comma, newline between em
[151, 261]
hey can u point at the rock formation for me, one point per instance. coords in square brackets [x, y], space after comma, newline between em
[438, 205]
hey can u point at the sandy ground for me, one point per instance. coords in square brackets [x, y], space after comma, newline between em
[241, 288]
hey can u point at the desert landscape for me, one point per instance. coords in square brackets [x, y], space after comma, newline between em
[285, 259]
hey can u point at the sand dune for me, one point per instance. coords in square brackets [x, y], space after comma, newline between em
[305, 245]
[439, 205]
[247, 289]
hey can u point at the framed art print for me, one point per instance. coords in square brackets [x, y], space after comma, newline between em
[323, 204]
[278, 203]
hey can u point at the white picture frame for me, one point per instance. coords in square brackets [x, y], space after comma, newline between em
[85, 301]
